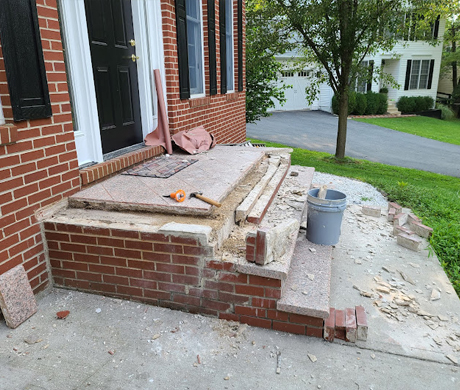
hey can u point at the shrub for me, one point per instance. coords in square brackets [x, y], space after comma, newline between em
[406, 104]
[372, 103]
[415, 103]
[456, 94]
[382, 107]
[351, 103]
[361, 104]
[446, 113]
[383, 90]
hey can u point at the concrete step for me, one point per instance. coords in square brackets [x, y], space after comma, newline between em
[307, 287]
[266, 197]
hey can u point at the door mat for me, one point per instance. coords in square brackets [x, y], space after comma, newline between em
[161, 167]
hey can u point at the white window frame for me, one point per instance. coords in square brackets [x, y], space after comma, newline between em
[419, 74]
[148, 35]
[203, 93]
[2, 117]
[363, 81]
[230, 64]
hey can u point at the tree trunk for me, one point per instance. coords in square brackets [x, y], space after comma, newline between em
[342, 126]
[454, 67]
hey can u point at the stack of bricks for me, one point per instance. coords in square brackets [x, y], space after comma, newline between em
[169, 270]
[407, 227]
[348, 325]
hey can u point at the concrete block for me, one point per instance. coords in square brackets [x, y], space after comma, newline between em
[400, 219]
[200, 233]
[373, 211]
[350, 320]
[391, 214]
[17, 301]
[421, 229]
[411, 242]
[361, 323]
[394, 205]
[329, 326]
[272, 243]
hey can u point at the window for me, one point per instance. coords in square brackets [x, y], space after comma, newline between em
[363, 82]
[229, 43]
[195, 46]
[419, 74]
[304, 73]
[287, 73]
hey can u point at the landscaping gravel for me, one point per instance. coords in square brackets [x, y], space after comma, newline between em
[357, 192]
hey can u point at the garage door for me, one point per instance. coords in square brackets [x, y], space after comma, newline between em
[295, 96]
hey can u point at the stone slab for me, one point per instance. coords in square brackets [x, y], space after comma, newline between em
[248, 203]
[307, 287]
[216, 174]
[263, 203]
[200, 233]
[17, 301]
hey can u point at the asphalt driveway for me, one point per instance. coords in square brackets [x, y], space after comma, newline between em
[317, 130]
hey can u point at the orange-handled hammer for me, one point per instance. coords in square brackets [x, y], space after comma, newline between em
[200, 196]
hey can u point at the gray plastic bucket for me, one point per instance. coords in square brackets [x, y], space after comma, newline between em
[324, 216]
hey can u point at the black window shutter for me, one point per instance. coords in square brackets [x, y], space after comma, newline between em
[182, 49]
[371, 73]
[430, 74]
[23, 57]
[436, 28]
[212, 47]
[223, 48]
[240, 44]
[408, 68]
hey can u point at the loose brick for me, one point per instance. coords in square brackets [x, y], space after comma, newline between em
[400, 219]
[394, 205]
[421, 229]
[372, 211]
[411, 242]
[361, 322]
[329, 326]
[340, 325]
[350, 319]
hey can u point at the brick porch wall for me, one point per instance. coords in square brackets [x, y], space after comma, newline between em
[38, 160]
[167, 271]
[223, 115]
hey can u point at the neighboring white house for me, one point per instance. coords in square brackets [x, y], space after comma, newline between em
[415, 65]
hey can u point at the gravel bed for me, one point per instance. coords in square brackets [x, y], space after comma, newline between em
[356, 191]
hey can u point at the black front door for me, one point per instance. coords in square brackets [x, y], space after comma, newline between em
[111, 37]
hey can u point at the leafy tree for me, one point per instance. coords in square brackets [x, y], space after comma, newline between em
[264, 39]
[338, 34]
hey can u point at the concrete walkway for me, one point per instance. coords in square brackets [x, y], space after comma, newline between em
[317, 130]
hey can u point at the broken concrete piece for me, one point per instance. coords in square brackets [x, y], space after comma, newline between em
[272, 243]
[17, 301]
[312, 357]
[452, 358]
[401, 229]
[411, 242]
[407, 278]
[382, 289]
[322, 192]
[435, 295]
[372, 211]
[413, 218]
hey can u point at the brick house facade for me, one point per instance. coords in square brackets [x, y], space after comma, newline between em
[41, 159]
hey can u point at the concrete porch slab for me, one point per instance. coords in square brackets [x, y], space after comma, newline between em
[216, 174]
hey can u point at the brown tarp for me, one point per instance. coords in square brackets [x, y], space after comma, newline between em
[194, 141]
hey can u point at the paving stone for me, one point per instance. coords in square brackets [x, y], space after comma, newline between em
[17, 301]
[373, 211]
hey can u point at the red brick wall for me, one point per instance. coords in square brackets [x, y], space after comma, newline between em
[38, 162]
[223, 115]
[167, 271]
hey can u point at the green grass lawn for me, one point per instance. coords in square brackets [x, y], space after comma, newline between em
[434, 198]
[444, 131]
